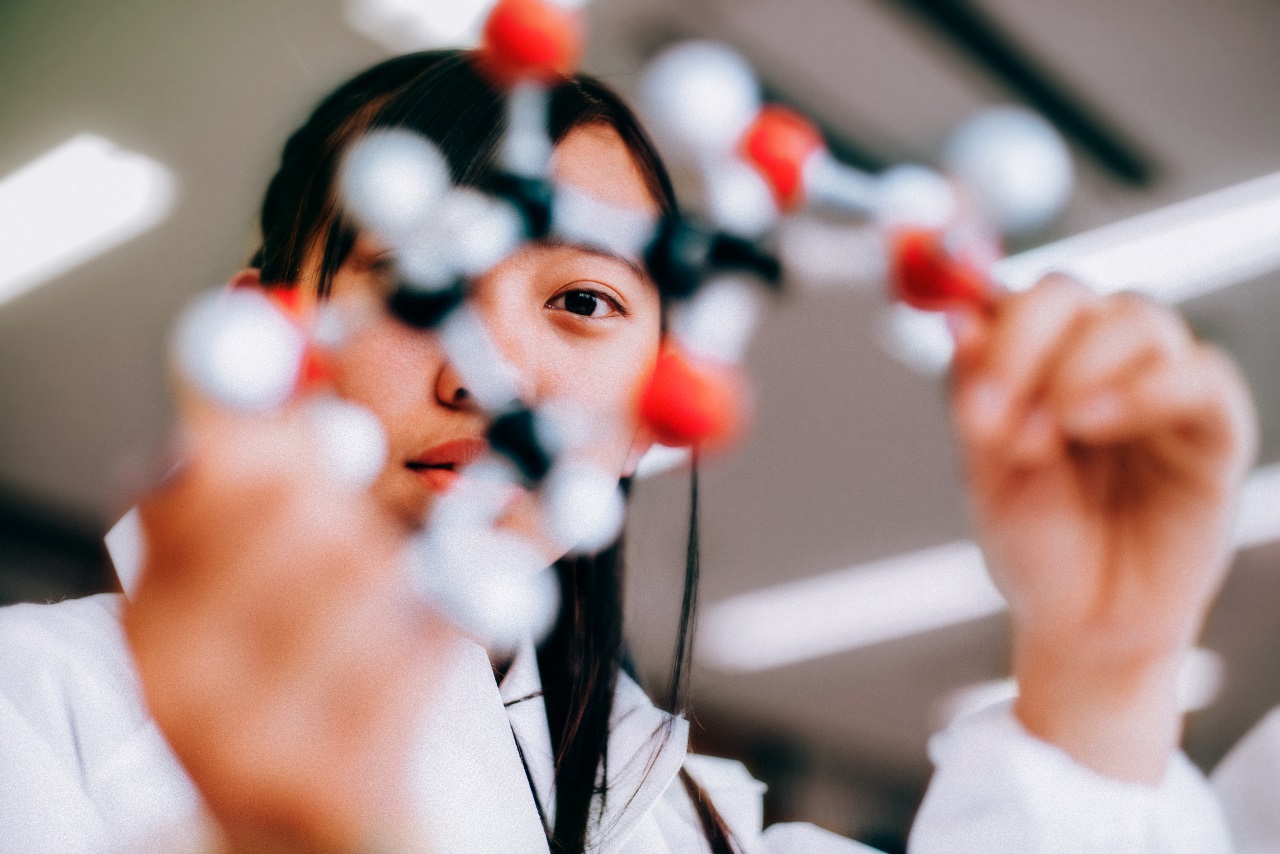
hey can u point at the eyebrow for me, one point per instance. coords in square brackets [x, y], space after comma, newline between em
[599, 252]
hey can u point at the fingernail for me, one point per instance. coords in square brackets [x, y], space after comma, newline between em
[987, 404]
[1099, 411]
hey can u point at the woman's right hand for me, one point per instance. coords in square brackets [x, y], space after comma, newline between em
[1105, 449]
[279, 645]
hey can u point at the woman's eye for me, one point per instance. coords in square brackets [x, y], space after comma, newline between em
[584, 303]
[382, 273]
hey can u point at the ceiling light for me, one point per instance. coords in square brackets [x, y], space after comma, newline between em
[851, 608]
[1174, 253]
[73, 203]
[894, 598]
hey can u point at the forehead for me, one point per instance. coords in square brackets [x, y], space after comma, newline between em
[594, 159]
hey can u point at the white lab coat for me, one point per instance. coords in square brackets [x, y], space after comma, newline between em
[1247, 781]
[84, 769]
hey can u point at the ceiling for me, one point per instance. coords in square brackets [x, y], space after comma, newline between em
[850, 457]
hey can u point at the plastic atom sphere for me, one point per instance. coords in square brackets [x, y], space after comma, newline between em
[353, 445]
[739, 199]
[1015, 165]
[584, 507]
[779, 143]
[925, 275]
[479, 229]
[718, 322]
[690, 401]
[538, 40]
[316, 370]
[701, 95]
[239, 350]
[391, 181]
[914, 196]
[492, 584]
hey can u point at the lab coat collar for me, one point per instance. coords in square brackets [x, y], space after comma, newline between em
[647, 748]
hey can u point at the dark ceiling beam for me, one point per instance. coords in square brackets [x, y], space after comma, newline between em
[980, 36]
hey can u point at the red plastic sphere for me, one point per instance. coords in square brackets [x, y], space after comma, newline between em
[692, 403]
[926, 276]
[289, 301]
[533, 40]
[779, 143]
[316, 370]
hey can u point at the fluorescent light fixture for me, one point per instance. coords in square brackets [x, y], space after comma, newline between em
[1200, 682]
[73, 203]
[847, 609]
[405, 25]
[1174, 253]
[895, 598]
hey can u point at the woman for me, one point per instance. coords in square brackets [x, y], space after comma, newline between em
[285, 668]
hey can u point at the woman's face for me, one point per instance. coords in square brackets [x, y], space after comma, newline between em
[578, 325]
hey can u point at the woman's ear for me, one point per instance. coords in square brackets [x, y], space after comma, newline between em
[249, 277]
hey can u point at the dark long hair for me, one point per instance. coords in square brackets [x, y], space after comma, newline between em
[443, 95]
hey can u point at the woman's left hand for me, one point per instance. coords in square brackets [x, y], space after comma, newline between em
[1104, 449]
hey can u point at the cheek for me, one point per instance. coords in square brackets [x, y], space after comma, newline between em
[606, 381]
[388, 369]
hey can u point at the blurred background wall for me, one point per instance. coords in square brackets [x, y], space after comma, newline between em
[849, 460]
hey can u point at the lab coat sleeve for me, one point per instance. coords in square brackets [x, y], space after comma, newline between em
[44, 806]
[998, 789]
[1247, 783]
[83, 768]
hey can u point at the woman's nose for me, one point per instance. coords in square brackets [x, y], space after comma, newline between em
[451, 391]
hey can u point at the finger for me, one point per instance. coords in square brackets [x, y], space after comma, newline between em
[1036, 437]
[1029, 329]
[1199, 402]
[969, 330]
[229, 461]
[1126, 333]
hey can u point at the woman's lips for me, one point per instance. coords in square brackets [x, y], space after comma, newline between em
[438, 468]
[437, 480]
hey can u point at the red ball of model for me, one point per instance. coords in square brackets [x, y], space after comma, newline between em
[533, 40]
[316, 371]
[779, 143]
[688, 402]
[925, 275]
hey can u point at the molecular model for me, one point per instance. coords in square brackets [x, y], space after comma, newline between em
[758, 163]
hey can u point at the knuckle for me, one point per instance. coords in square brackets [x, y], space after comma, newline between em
[1064, 284]
[1054, 298]
[1135, 303]
[1148, 322]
